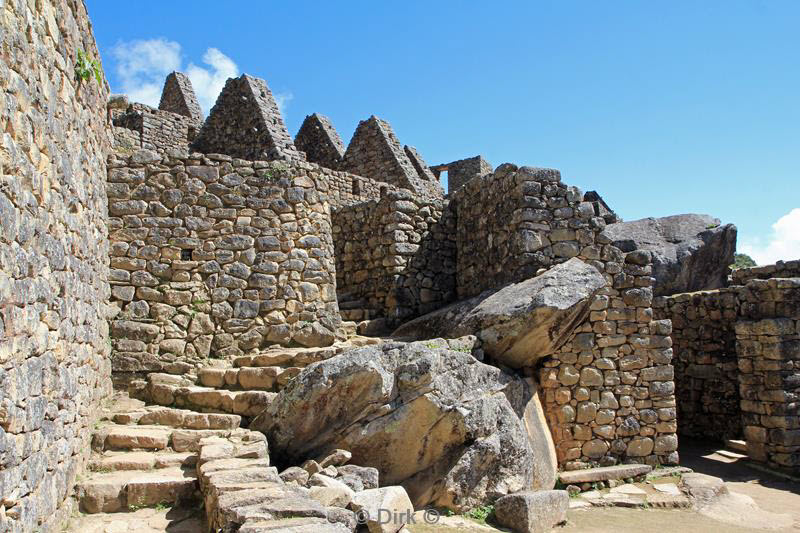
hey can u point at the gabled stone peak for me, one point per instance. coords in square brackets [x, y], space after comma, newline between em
[246, 122]
[178, 96]
[375, 152]
[419, 163]
[320, 141]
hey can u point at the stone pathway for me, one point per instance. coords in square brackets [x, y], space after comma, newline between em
[147, 520]
[175, 456]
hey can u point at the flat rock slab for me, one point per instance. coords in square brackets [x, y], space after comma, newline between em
[605, 473]
[669, 471]
[667, 488]
[628, 489]
[122, 437]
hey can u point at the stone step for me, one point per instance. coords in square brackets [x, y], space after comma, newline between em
[178, 418]
[357, 314]
[590, 475]
[114, 437]
[120, 437]
[204, 399]
[358, 303]
[112, 461]
[119, 491]
[267, 378]
[301, 357]
[736, 445]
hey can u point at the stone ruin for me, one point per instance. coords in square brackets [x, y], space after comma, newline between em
[219, 272]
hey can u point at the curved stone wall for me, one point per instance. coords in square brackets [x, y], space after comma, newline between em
[215, 256]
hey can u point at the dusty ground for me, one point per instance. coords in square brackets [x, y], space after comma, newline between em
[759, 502]
[147, 520]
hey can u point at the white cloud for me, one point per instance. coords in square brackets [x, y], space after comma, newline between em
[783, 244]
[208, 82]
[283, 99]
[142, 66]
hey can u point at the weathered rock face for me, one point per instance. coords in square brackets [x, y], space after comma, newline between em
[690, 252]
[522, 322]
[436, 421]
[54, 366]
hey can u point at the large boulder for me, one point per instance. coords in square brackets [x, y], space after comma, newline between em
[522, 322]
[448, 428]
[689, 252]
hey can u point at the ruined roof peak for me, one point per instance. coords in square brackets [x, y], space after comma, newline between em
[178, 96]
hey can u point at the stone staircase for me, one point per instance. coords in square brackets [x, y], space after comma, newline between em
[244, 388]
[178, 440]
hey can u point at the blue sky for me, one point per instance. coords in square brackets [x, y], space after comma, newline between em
[662, 107]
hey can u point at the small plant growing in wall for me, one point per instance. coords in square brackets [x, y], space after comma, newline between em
[86, 68]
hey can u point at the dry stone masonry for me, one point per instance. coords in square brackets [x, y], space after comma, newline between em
[54, 347]
[320, 141]
[245, 122]
[517, 220]
[376, 152]
[706, 365]
[178, 97]
[461, 171]
[737, 374]
[217, 256]
[216, 273]
[395, 257]
[140, 126]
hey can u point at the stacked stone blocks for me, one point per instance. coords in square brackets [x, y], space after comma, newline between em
[178, 97]
[245, 122]
[768, 346]
[516, 221]
[215, 256]
[141, 126]
[395, 255]
[461, 171]
[737, 370]
[54, 352]
[320, 141]
[706, 364]
[609, 392]
[375, 151]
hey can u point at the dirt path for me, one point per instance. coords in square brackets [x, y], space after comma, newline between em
[759, 502]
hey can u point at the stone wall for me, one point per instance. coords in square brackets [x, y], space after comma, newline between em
[178, 97]
[781, 269]
[395, 257]
[517, 220]
[319, 140]
[214, 256]
[609, 391]
[461, 171]
[376, 153]
[153, 129]
[348, 189]
[246, 122]
[738, 365]
[706, 365]
[609, 394]
[54, 366]
[768, 346]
